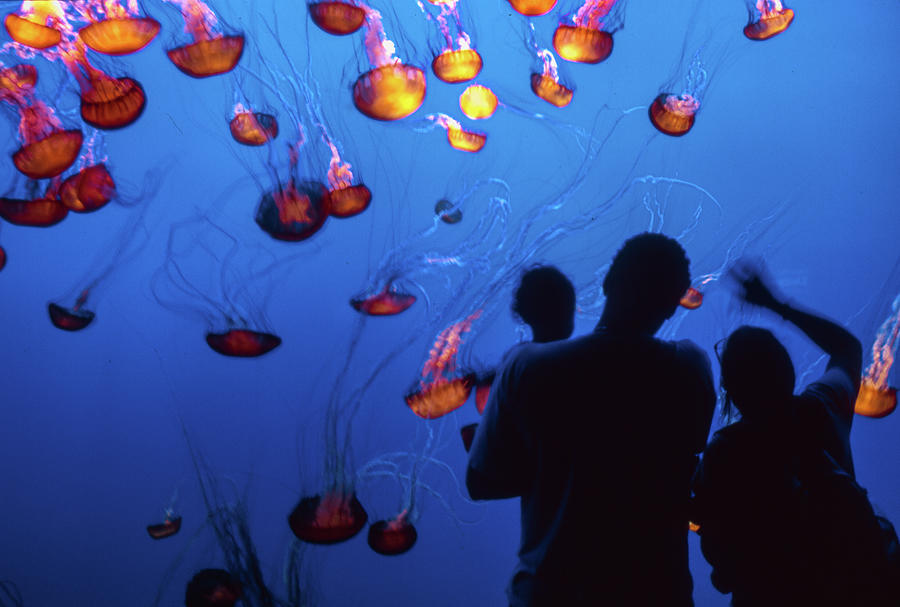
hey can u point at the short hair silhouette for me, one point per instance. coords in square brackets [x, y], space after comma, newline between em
[545, 301]
[757, 371]
[651, 272]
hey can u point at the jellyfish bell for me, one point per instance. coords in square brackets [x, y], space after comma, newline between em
[212, 588]
[389, 92]
[392, 537]
[447, 211]
[242, 343]
[478, 102]
[533, 8]
[37, 213]
[692, 299]
[211, 57]
[112, 103]
[440, 397]
[767, 18]
[673, 114]
[69, 319]
[349, 201]
[874, 401]
[466, 140]
[32, 33]
[551, 91]
[253, 128]
[295, 211]
[89, 189]
[167, 528]
[459, 65]
[386, 303]
[328, 519]
[338, 18]
[467, 433]
[17, 80]
[582, 44]
[119, 36]
[50, 155]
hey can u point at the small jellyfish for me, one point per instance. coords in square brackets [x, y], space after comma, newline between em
[458, 137]
[876, 397]
[767, 18]
[582, 44]
[329, 519]
[37, 25]
[692, 299]
[211, 53]
[75, 318]
[392, 537]
[16, 82]
[338, 18]
[533, 8]
[386, 303]
[119, 35]
[454, 66]
[37, 213]
[389, 92]
[673, 114]
[89, 189]
[440, 397]
[252, 128]
[212, 588]
[447, 211]
[167, 528]
[467, 433]
[49, 155]
[295, 211]
[550, 90]
[242, 343]
[478, 102]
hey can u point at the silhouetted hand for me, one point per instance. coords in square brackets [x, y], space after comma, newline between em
[754, 283]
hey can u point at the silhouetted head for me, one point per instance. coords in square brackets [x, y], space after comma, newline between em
[545, 301]
[757, 373]
[645, 282]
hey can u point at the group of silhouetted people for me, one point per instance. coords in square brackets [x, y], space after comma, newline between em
[601, 435]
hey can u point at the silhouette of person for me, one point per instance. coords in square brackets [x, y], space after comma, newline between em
[545, 301]
[599, 437]
[781, 519]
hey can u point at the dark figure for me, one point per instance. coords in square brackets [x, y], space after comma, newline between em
[782, 520]
[599, 437]
[545, 301]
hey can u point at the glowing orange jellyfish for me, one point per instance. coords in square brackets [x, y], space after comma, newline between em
[121, 35]
[46, 155]
[457, 66]
[213, 588]
[242, 343]
[458, 137]
[37, 25]
[345, 199]
[386, 303]
[210, 53]
[17, 82]
[252, 128]
[457, 61]
[478, 102]
[467, 433]
[392, 537]
[533, 8]
[390, 90]
[447, 211]
[167, 528]
[327, 519]
[338, 18]
[38, 213]
[88, 190]
[587, 39]
[876, 398]
[441, 390]
[673, 114]
[294, 211]
[692, 299]
[767, 18]
[550, 90]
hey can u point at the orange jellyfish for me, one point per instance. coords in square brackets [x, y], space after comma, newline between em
[47, 149]
[467, 433]
[329, 519]
[447, 211]
[458, 137]
[37, 25]
[213, 588]
[457, 66]
[17, 83]
[345, 199]
[478, 102]
[117, 30]
[38, 212]
[211, 53]
[293, 211]
[767, 18]
[167, 528]
[392, 537]
[587, 39]
[252, 128]
[390, 90]
[88, 190]
[386, 303]
[545, 83]
[441, 390]
[876, 397]
[674, 114]
[75, 318]
[338, 18]
[692, 299]
[242, 343]
[533, 8]
[457, 61]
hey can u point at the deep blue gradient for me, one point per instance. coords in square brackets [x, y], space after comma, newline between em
[793, 157]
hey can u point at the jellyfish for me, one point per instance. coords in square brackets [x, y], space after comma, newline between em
[75, 318]
[876, 397]
[17, 82]
[478, 102]
[589, 37]
[387, 302]
[391, 90]
[458, 137]
[36, 25]
[293, 211]
[345, 198]
[169, 527]
[211, 52]
[533, 8]
[2, 258]
[674, 114]
[337, 17]
[89, 189]
[212, 588]
[456, 61]
[115, 29]
[329, 518]
[447, 211]
[767, 18]
[36, 212]
[441, 389]
[546, 82]
[692, 299]
[252, 128]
